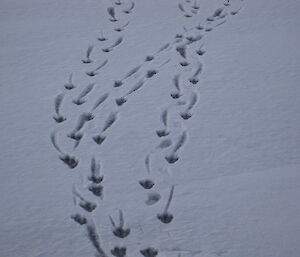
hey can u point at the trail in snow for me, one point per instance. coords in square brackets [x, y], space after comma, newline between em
[188, 48]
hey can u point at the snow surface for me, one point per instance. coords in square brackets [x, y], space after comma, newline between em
[236, 182]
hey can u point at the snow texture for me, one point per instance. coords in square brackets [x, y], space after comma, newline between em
[150, 128]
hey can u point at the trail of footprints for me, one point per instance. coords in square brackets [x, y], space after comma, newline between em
[169, 147]
[185, 50]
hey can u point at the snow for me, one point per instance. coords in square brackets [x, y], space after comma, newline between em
[236, 182]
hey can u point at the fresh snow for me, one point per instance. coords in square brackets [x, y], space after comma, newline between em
[228, 163]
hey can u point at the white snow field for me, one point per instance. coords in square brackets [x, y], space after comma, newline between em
[149, 128]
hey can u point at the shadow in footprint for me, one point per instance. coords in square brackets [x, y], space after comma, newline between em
[200, 52]
[97, 190]
[162, 133]
[147, 183]
[184, 64]
[129, 10]
[172, 158]
[153, 198]
[99, 139]
[94, 72]
[84, 204]
[151, 73]
[120, 101]
[176, 95]
[110, 48]
[71, 161]
[70, 84]
[88, 54]
[118, 251]
[88, 206]
[80, 219]
[185, 115]
[149, 58]
[95, 172]
[121, 28]
[75, 136]
[119, 231]
[118, 83]
[57, 104]
[166, 217]
[80, 99]
[182, 51]
[149, 252]
[111, 12]
[59, 119]
[165, 144]
[102, 38]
